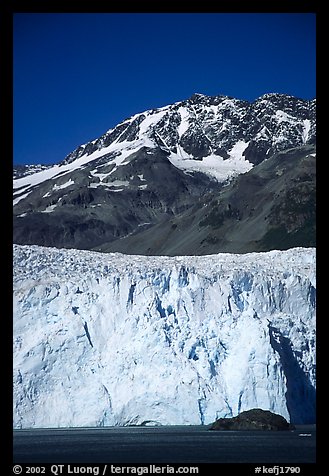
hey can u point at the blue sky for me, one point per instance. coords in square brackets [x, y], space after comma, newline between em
[77, 75]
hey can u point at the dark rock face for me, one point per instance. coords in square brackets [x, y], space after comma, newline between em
[151, 190]
[255, 419]
[270, 207]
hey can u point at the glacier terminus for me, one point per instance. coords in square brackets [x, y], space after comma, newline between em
[103, 339]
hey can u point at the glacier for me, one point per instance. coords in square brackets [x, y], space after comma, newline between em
[111, 339]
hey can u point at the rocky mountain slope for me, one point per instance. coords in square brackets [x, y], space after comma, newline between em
[203, 175]
[271, 207]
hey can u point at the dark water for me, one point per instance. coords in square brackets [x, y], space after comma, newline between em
[174, 444]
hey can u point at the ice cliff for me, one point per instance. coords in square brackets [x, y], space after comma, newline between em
[111, 339]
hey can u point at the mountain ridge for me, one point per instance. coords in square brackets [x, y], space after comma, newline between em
[195, 99]
[154, 166]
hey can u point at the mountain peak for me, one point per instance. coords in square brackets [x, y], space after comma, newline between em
[282, 97]
[198, 98]
[274, 96]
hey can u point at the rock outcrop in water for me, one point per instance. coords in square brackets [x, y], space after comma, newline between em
[255, 419]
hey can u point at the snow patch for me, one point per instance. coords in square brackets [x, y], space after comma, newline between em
[64, 185]
[49, 209]
[213, 165]
[306, 130]
[238, 149]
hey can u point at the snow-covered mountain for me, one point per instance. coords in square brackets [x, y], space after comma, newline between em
[111, 339]
[213, 130]
[156, 165]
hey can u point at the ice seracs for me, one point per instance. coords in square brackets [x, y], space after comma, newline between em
[111, 339]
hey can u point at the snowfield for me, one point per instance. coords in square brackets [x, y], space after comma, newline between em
[110, 339]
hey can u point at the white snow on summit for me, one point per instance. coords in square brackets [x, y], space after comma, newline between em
[110, 339]
[211, 135]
